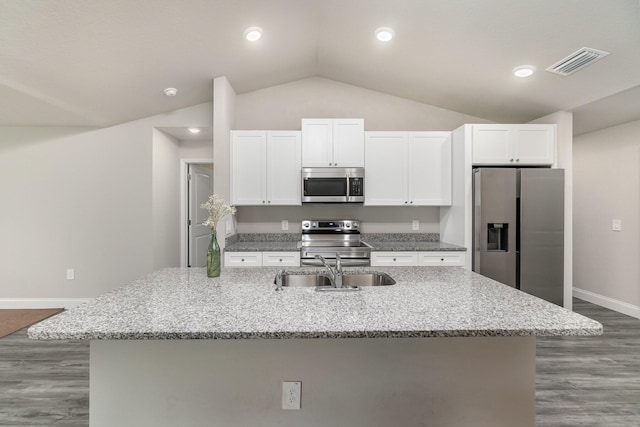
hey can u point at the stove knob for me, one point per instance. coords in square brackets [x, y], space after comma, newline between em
[305, 224]
[314, 225]
[355, 225]
[347, 225]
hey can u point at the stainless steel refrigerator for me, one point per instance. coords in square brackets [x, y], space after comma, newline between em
[518, 228]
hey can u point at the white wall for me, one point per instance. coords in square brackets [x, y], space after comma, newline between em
[282, 107]
[166, 200]
[78, 198]
[196, 149]
[607, 187]
[224, 107]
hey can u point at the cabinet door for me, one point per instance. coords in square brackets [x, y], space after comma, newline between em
[248, 167]
[492, 145]
[317, 142]
[534, 144]
[243, 259]
[283, 168]
[429, 171]
[391, 259]
[348, 142]
[385, 168]
[441, 258]
[281, 259]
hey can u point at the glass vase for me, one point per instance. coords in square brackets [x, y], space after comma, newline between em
[213, 257]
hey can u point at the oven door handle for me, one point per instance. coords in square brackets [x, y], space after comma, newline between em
[345, 262]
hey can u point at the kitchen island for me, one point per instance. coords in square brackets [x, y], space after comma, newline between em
[442, 347]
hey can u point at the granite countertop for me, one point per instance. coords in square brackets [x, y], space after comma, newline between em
[263, 247]
[242, 304]
[289, 242]
[413, 246]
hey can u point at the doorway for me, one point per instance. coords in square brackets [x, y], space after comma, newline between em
[197, 185]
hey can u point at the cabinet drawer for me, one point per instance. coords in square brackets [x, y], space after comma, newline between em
[243, 259]
[285, 259]
[441, 258]
[389, 259]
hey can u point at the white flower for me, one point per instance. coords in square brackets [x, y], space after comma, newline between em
[217, 210]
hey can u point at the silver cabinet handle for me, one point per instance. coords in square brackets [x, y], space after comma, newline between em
[511, 160]
[394, 260]
[242, 260]
[263, 201]
[517, 160]
[405, 202]
[411, 202]
[269, 201]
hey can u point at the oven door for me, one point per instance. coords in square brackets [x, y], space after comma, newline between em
[355, 256]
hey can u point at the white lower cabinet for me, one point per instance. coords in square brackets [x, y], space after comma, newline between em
[243, 259]
[414, 259]
[262, 259]
[281, 259]
[394, 259]
[441, 258]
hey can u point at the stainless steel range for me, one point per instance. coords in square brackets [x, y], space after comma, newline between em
[330, 237]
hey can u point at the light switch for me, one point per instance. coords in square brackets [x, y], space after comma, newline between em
[616, 225]
[415, 225]
[285, 224]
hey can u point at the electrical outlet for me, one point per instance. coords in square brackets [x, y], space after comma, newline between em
[291, 394]
[71, 274]
[415, 225]
[616, 225]
[285, 224]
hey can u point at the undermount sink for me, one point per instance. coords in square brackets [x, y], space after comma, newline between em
[295, 279]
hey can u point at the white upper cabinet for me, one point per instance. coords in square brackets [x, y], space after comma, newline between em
[385, 168]
[430, 168]
[529, 144]
[332, 142]
[265, 168]
[407, 169]
[283, 168]
[248, 167]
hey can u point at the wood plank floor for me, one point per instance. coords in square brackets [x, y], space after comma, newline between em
[591, 381]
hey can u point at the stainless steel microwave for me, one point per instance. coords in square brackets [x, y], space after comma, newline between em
[332, 185]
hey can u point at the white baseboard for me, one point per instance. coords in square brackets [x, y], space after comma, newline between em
[606, 302]
[41, 302]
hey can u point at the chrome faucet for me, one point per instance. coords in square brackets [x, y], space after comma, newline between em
[335, 274]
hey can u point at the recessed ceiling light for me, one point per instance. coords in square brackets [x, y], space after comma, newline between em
[253, 34]
[384, 34]
[171, 91]
[524, 70]
[194, 130]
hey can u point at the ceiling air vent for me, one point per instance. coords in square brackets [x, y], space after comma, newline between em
[577, 60]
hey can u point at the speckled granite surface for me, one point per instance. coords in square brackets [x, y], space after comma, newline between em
[283, 242]
[242, 303]
[414, 246]
[263, 242]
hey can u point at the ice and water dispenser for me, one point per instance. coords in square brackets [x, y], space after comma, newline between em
[498, 237]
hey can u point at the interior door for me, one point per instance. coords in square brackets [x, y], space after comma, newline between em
[200, 186]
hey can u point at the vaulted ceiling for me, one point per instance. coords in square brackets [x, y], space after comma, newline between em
[98, 63]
